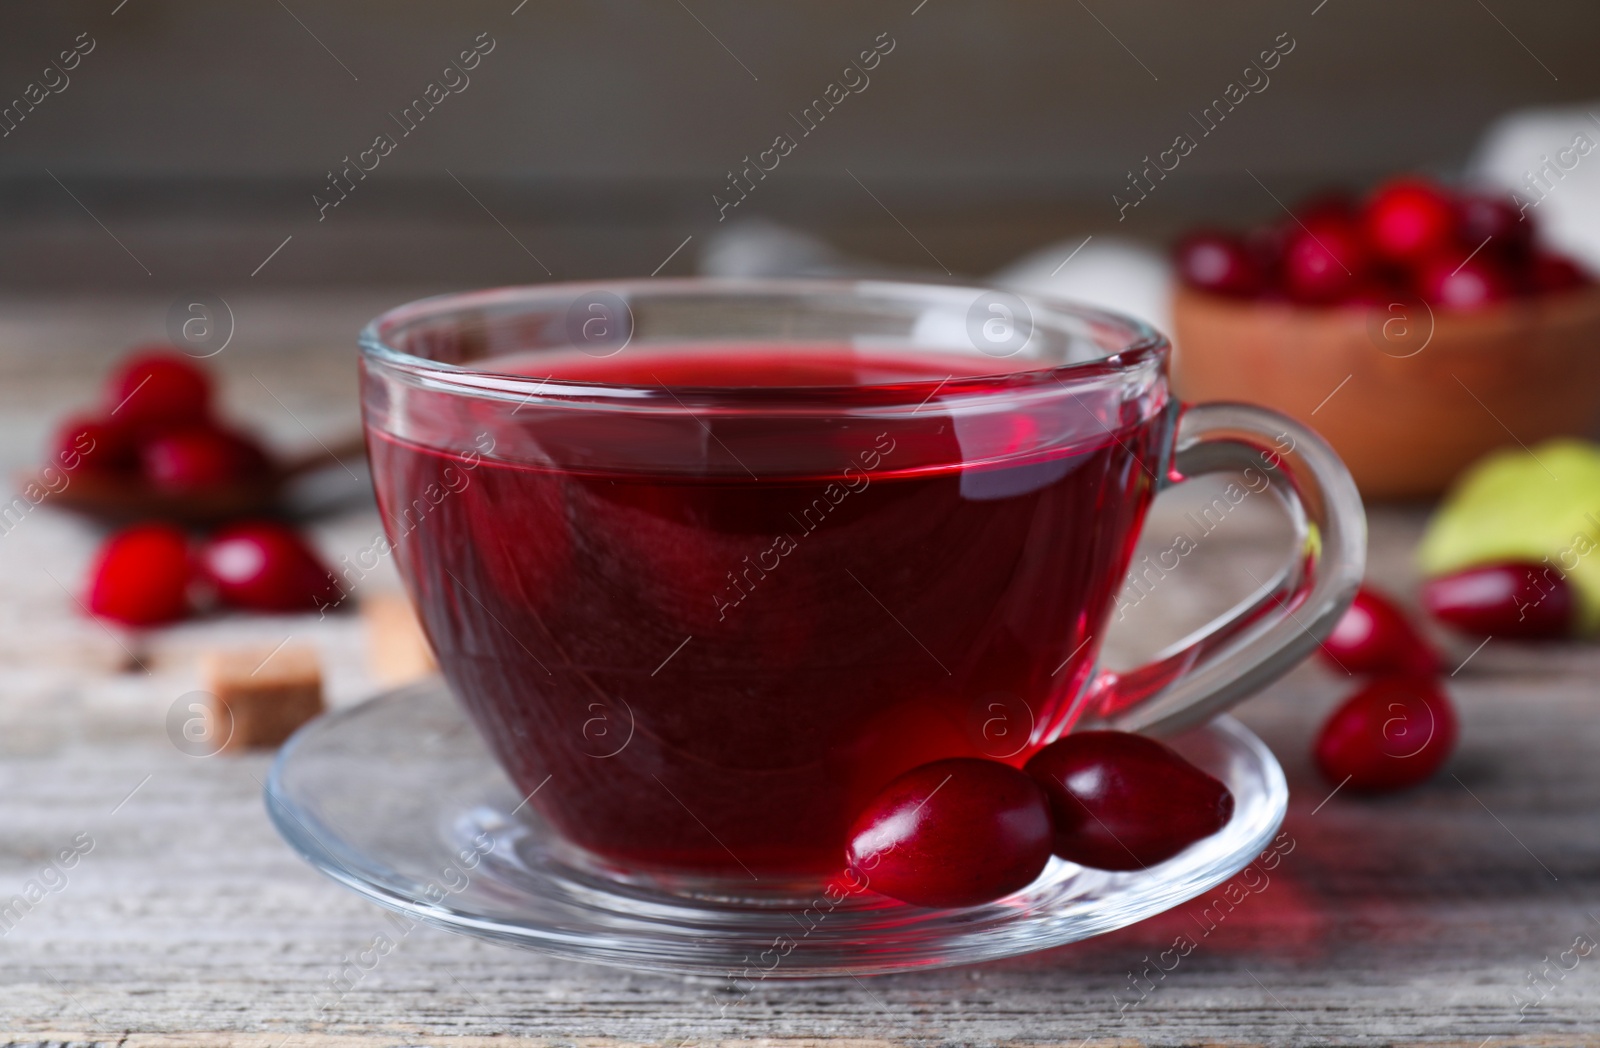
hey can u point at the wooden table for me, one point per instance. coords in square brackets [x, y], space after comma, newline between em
[1419, 918]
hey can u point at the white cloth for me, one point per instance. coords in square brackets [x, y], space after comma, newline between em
[1119, 275]
[1123, 276]
[1563, 198]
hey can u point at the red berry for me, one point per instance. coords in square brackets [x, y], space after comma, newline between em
[955, 832]
[1374, 636]
[1219, 263]
[1490, 217]
[200, 457]
[1513, 599]
[1393, 733]
[1472, 284]
[95, 445]
[141, 576]
[1121, 801]
[1409, 219]
[1267, 244]
[1323, 262]
[266, 566]
[1549, 272]
[157, 388]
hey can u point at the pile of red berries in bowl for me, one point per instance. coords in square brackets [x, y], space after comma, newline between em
[1410, 237]
[1411, 328]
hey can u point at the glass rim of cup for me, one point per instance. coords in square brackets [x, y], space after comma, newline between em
[1124, 345]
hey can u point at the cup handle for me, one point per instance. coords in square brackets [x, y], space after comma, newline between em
[1286, 618]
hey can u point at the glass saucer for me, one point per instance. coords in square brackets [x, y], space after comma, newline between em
[399, 800]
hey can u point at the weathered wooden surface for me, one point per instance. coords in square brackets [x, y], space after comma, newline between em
[1410, 919]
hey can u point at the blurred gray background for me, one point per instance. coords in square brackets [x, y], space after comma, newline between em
[190, 141]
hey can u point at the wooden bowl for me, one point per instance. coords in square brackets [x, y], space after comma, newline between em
[1406, 395]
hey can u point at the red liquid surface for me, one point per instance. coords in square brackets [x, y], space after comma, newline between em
[713, 672]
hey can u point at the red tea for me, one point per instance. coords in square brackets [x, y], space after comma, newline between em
[713, 666]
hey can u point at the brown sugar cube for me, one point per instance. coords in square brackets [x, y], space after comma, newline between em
[260, 696]
[397, 649]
